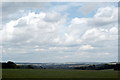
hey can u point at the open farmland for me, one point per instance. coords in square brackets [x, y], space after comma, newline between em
[56, 73]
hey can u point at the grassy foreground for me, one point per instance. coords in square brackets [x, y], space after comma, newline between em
[55, 73]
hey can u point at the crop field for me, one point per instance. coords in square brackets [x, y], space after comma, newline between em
[56, 73]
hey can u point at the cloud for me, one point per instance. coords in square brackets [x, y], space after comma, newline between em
[15, 10]
[39, 50]
[96, 34]
[32, 27]
[53, 34]
[86, 47]
[52, 17]
[88, 7]
[105, 16]
[102, 26]
[114, 30]
[51, 28]
[58, 48]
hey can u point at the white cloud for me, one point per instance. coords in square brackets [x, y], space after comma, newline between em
[39, 49]
[33, 27]
[94, 35]
[52, 17]
[51, 27]
[98, 34]
[58, 48]
[105, 16]
[86, 47]
[50, 24]
[114, 30]
[95, 28]
[9, 13]
[79, 21]
[51, 32]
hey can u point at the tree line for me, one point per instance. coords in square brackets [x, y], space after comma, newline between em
[12, 65]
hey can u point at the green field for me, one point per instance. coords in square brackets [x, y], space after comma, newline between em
[55, 73]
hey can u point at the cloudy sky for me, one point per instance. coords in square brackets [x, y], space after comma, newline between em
[59, 31]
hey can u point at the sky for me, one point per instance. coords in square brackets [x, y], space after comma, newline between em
[45, 32]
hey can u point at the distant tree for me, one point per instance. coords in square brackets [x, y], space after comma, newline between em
[9, 64]
[30, 67]
[117, 67]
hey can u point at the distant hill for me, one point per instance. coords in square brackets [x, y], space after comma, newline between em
[73, 65]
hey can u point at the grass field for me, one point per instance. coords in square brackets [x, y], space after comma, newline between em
[54, 73]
